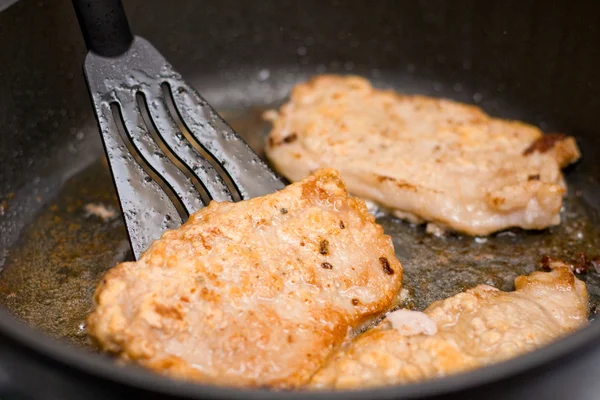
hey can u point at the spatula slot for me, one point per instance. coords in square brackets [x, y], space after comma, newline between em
[176, 115]
[148, 155]
[198, 189]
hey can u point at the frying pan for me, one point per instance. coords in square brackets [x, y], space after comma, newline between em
[526, 60]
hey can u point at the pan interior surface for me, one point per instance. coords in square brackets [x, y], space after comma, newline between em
[50, 273]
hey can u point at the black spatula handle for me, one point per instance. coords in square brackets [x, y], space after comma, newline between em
[104, 26]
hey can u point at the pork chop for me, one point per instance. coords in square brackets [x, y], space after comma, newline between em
[424, 159]
[254, 293]
[478, 327]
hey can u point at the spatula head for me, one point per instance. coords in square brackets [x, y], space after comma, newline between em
[169, 152]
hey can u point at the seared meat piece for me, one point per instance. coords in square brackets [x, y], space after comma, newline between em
[478, 327]
[425, 159]
[255, 293]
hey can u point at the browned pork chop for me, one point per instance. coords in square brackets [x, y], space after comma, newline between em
[255, 293]
[425, 159]
[478, 327]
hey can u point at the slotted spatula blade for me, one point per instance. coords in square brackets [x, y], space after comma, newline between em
[169, 151]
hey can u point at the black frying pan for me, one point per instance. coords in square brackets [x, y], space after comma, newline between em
[526, 60]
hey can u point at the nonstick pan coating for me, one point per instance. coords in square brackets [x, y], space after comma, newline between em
[526, 60]
[51, 273]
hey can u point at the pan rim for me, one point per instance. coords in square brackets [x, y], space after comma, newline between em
[102, 367]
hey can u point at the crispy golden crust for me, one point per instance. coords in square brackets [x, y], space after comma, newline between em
[255, 293]
[423, 158]
[478, 327]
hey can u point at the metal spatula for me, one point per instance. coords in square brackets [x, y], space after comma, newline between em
[168, 150]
